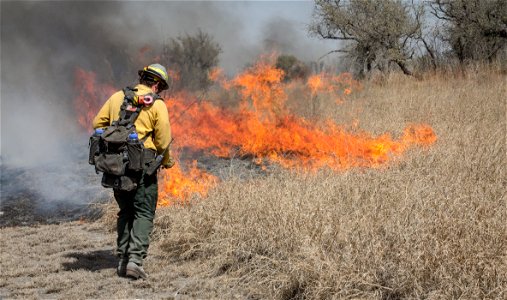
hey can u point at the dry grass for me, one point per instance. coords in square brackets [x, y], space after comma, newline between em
[432, 225]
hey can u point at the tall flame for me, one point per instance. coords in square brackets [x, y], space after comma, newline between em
[263, 128]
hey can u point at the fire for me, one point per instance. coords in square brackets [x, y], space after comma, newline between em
[216, 74]
[336, 86]
[419, 134]
[90, 97]
[261, 127]
[177, 186]
[315, 83]
[261, 89]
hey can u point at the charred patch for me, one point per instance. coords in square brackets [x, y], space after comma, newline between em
[48, 195]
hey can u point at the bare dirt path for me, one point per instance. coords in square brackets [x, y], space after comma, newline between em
[75, 260]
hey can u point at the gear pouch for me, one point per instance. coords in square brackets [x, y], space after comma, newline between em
[110, 163]
[94, 149]
[121, 183]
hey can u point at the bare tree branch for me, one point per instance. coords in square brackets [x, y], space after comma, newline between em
[333, 51]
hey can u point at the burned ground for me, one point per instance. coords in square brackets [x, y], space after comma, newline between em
[50, 193]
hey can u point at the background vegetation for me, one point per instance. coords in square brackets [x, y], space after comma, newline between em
[191, 58]
[409, 36]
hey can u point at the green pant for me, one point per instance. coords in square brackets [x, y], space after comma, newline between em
[135, 219]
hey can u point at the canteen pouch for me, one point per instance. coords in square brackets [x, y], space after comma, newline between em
[135, 155]
[110, 163]
[94, 149]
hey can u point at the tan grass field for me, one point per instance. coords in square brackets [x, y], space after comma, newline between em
[431, 225]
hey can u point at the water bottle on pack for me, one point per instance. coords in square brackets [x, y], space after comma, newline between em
[133, 138]
[98, 132]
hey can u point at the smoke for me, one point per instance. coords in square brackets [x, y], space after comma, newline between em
[42, 44]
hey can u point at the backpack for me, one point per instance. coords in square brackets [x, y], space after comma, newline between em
[115, 151]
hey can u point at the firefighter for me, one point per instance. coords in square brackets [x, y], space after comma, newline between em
[137, 207]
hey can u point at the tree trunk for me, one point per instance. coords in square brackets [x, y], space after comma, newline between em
[431, 53]
[404, 68]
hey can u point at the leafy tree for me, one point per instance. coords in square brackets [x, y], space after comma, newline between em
[475, 29]
[378, 33]
[192, 57]
[292, 67]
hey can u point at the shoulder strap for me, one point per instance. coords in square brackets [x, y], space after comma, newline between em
[128, 111]
[157, 97]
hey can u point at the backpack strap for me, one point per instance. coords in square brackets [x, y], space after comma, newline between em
[128, 111]
[156, 96]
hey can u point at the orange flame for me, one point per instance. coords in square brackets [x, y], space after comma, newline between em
[262, 90]
[216, 74]
[315, 83]
[333, 85]
[90, 97]
[262, 128]
[178, 186]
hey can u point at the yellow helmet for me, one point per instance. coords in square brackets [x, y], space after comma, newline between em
[158, 71]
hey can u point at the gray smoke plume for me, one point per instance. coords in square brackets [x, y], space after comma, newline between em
[43, 150]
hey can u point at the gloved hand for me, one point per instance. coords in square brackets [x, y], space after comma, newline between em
[169, 164]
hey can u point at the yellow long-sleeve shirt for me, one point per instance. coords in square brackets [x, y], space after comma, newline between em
[153, 120]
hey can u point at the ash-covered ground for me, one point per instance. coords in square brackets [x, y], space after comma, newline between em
[69, 189]
[50, 192]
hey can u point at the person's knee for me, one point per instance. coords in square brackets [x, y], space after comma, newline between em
[145, 214]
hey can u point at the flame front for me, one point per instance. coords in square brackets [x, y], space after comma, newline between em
[178, 186]
[261, 127]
